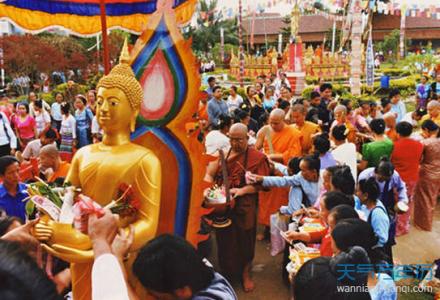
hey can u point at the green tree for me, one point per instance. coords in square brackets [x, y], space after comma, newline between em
[206, 34]
[329, 38]
[390, 43]
[216, 53]
[286, 31]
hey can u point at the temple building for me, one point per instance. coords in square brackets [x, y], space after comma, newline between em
[313, 29]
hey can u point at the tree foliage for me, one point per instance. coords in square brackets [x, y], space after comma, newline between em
[206, 34]
[390, 43]
[329, 38]
[286, 31]
[27, 54]
[74, 53]
[32, 54]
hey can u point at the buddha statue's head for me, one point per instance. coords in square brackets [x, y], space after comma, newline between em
[119, 97]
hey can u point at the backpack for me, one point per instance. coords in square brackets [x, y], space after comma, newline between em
[391, 233]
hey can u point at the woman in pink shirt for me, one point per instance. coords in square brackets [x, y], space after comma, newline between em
[24, 125]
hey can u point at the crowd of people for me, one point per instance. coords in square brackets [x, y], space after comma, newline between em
[69, 121]
[364, 169]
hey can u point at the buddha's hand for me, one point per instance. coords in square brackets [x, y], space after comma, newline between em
[43, 230]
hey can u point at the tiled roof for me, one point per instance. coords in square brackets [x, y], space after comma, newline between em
[273, 24]
[381, 22]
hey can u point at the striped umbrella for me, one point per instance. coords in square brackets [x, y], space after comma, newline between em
[89, 17]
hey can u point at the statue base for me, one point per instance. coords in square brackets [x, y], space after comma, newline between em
[297, 82]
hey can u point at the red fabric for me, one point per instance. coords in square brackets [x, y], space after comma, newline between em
[406, 157]
[323, 237]
[317, 236]
[326, 246]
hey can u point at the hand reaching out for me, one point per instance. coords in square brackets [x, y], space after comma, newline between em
[122, 243]
[23, 235]
[104, 228]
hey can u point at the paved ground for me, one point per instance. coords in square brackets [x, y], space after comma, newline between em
[418, 247]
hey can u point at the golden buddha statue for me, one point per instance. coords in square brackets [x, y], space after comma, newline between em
[100, 169]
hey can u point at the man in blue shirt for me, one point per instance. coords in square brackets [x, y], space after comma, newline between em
[12, 192]
[216, 106]
[211, 85]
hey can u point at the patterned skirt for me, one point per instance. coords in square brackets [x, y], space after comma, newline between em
[66, 147]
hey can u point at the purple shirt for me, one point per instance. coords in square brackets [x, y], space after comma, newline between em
[327, 160]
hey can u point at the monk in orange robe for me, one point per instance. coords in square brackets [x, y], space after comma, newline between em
[308, 129]
[51, 164]
[281, 142]
[390, 122]
[341, 113]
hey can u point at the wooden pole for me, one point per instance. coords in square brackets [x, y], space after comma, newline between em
[240, 40]
[104, 37]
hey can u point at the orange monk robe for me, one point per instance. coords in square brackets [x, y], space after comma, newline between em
[392, 134]
[203, 112]
[428, 117]
[307, 131]
[288, 143]
[61, 172]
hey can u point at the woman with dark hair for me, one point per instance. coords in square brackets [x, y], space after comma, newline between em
[315, 280]
[320, 278]
[428, 186]
[339, 213]
[42, 118]
[24, 125]
[406, 157]
[350, 233]
[234, 99]
[423, 90]
[217, 139]
[368, 192]
[328, 202]
[67, 132]
[381, 146]
[269, 99]
[391, 187]
[255, 103]
[343, 181]
[9, 223]
[344, 152]
[84, 119]
[91, 101]
[321, 145]
[22, 278]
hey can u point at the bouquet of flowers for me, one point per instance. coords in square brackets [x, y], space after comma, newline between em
[66, 204]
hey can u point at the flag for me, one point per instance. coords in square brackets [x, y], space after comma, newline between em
[370, 62]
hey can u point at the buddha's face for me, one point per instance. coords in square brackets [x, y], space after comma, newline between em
[114, 112]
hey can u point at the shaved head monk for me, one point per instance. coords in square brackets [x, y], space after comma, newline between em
[51, 165]
[281, 142]
[236, 243]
